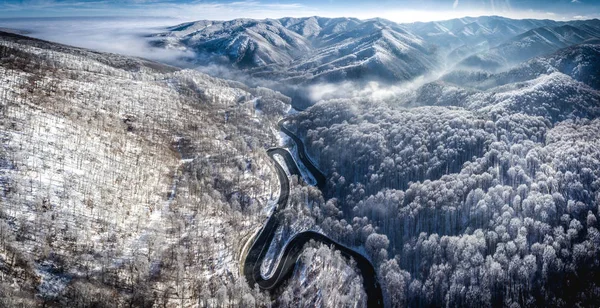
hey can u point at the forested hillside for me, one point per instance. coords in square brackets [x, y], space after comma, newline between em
[468, 197]
[461, 158]
[123, 180]
[128, 183]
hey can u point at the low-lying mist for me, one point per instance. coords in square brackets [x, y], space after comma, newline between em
[306, 94]
[131, 36]
[119, 35]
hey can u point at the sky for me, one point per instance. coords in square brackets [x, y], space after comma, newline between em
[395, 10]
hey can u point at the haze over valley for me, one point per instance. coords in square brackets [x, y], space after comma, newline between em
[305, 161]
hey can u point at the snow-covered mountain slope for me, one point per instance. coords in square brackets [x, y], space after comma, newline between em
[463, 37]
[474, 30]
[555, 97]
[243, 42]
[581, 62]
[122, 179]
[412, 173]
[307, 49]
[535, 42]
[491, 42]
[319, 28]
[557, 87]
[374, 48]
[316, 49]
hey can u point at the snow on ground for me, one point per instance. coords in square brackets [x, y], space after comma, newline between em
[93, 177]
[306, 174]
[281, 161]
[292, 111]
[284, 139]
[51, 283]
[325, 279]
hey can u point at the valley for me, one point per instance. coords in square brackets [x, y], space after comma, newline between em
[313, 161]
[294, 246]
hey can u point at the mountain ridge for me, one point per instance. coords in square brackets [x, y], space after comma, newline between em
[317, 49]
[314, 47]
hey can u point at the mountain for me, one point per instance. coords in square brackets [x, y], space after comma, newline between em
[559, 86]
[113, 170]
[535, 42]
[310, 50]
[555, 96]
[478, 183]
[580, 62]
[471, 173]
[463, 37]
[306, 49]
[125, 182]
[474, 30]
[243, 42]
[374, 48]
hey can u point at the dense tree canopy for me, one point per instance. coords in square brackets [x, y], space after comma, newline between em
[490, 203]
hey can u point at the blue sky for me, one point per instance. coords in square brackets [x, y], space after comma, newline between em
[396, 10]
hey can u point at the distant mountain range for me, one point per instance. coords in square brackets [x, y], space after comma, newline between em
[459, 157]
[563, 84]
[535, 42]
[306, 49]
[316, 49]
[580, 62]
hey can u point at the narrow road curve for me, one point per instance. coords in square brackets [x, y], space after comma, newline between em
[317, 174]
[293, 249]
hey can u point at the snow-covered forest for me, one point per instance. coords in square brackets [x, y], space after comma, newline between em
[492, 201]
[111, 181]
[461, 158]
[127, 182]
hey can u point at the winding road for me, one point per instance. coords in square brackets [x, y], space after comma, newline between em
[317, 174]
[294, 247]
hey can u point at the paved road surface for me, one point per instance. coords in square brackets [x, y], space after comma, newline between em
[293, 249]
[317, 174]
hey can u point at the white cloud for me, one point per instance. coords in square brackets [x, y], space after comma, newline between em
[455, 4]
[575, 1]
